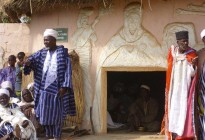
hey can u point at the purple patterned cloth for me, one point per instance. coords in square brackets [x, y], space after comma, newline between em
[8, 74]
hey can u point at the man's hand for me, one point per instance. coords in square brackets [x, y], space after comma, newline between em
[194, 60]
[28, 112]
[27, 62]
[25, 124]
[24, 107]
[62, 91]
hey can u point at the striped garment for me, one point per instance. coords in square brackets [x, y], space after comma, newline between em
[12, 116]
[201, 104]
[8, 74]
[6, 128]
[49, 107]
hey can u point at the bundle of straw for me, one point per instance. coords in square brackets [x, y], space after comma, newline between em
[77, 79]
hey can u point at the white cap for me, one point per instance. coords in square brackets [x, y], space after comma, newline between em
[51, 32]
[6, 84]
[4, 91]
[145, 87]
[202, 33]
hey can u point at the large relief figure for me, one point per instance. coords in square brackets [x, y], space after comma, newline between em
[83, 40]
[132, 43]
[131, 46]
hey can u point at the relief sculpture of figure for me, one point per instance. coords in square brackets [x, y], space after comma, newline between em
[169, 36]
[131, 46]
[192, 10]
[83, 40]
[132, 41]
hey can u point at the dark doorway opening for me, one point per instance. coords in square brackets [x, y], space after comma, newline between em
[131, 82]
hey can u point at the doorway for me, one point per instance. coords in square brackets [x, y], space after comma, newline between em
[131, 81]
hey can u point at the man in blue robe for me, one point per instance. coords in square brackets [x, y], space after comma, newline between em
[53, 92]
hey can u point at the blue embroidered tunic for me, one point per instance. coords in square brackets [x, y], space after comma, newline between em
[49, 107]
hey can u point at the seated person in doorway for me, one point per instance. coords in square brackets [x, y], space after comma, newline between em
[143, 112]
[118, 103]
[27, 107]
[112, 103]
[7, 85]
[11, 114]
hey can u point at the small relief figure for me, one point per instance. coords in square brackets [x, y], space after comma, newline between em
[192, 10]
[169, 35]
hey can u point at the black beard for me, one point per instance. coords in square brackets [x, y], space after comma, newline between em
[47, 48]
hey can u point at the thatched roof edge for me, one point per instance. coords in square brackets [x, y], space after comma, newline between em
[15, 8]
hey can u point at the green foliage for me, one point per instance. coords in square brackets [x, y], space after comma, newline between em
[4, 18]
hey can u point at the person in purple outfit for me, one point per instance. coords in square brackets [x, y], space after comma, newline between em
[9, 73]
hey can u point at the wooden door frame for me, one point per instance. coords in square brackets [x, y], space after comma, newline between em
[104, 71]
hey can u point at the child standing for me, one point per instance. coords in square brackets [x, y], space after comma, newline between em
[9, 73]
[19, 68]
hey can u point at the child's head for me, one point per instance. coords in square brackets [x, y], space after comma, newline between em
[21, 56]
[12, 60]
[4, 97]
[27, 96]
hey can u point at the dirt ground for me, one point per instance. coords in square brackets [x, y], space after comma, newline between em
[120, 137]
[133, 136]
[111, 135]
[114, 136]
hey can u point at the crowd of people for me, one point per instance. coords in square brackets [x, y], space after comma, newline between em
[43, 105]
[132, 110]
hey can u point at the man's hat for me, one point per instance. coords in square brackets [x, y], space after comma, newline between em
[7, 84]
[4, 91]
[182, 35]
[50, 32]
[145, 87]
[202, 33]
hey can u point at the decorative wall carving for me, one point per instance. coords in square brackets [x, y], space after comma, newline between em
[169, 37]
[131, 46]
[192, 10]
[83, 40]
